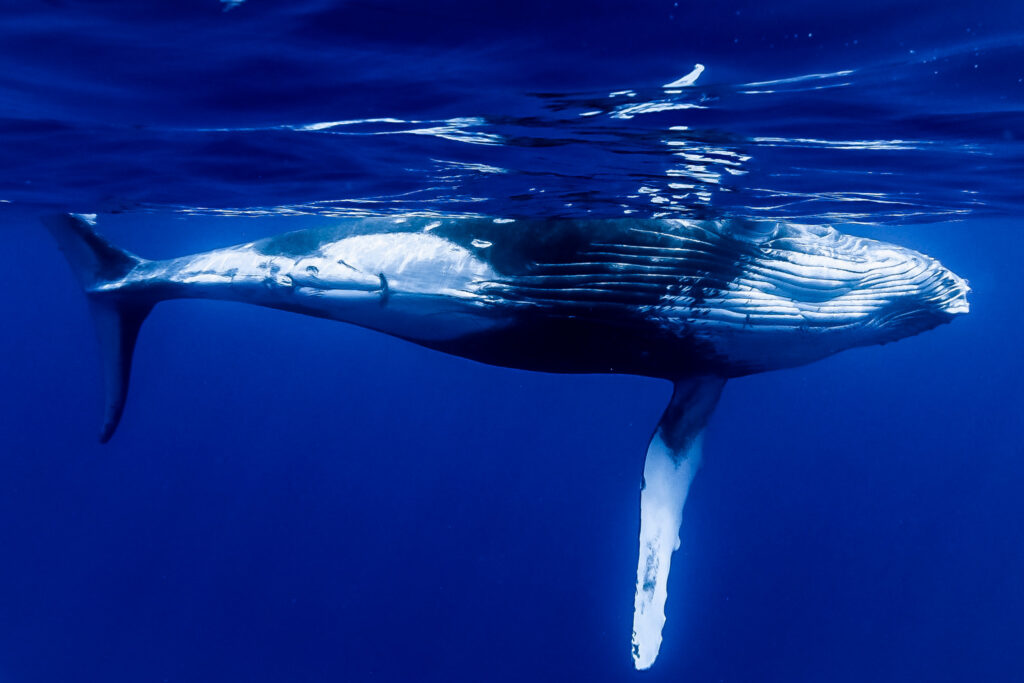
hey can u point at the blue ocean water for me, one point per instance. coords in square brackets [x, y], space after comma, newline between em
[293, 499]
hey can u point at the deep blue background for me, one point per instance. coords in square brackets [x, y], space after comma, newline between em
[293, 499]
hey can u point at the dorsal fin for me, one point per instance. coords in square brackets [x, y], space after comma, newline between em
[673, 458]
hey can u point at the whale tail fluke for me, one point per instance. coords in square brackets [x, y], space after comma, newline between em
[97, 265]
[673, 458]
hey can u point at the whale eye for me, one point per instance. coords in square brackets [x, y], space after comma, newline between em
[749, 230]
[821, 230]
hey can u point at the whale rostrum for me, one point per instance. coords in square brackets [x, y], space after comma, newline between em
[693, 302]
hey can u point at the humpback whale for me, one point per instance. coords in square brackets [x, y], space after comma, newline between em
[693, 302]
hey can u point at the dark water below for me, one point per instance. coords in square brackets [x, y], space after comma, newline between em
[291, 499]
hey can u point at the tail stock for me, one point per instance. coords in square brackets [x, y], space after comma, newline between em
[117, 316]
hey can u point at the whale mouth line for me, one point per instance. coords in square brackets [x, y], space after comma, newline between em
[961, 307]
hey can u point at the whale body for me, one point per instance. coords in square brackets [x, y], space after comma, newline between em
[696, 303]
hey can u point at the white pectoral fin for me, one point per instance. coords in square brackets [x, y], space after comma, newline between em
[673, 458]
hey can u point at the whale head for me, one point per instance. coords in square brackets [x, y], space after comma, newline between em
[910, 292]
[807, 291]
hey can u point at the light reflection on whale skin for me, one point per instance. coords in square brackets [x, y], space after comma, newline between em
[694, 302]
